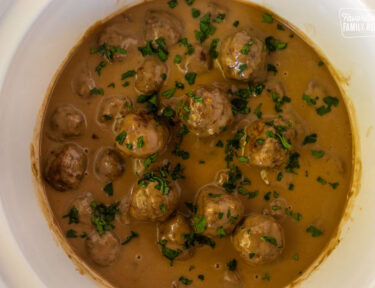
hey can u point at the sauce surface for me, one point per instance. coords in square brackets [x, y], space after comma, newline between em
[316, 192]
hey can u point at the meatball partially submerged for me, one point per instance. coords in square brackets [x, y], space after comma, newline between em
[103, 250]
[112, 107]
[83, 82]
[150, 76]
[66, 168]
[154, 198]
[171, 235]
[206, 111]
[82, 206]
[270, 142]
[222, 211]
[199, 62]
[161, 24]
[259, 240]
[109, 164]
[139, 135]
[115, 43]
[243, 56]
[66, 122]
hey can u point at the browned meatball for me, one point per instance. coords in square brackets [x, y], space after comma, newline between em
[103, 250]
[199, 62]
[66, 122]
[139, 135]
[66, 168]
[149, 76]
[113, 107]
[113, 36]
[82, 204]
[161, 24]
[259, 240]
[109, 164]
[151, 202]
[206, 111]
[222, 211]
[171, 234]
[277, 208]
[83, 82]
[216, 11]
[270, 142]
[242, 56]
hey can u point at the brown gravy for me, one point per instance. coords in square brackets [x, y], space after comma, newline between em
[320, 202]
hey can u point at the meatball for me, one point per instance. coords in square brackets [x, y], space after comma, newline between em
[199, 62]
[161, 24]
[172, 233]
[109, 164]
[139, 135]
[113, 107]
[149, 202]
[206, 111]
[114, 37]
[260, 239]
[149, 76]
[216, 11]
[242, 56]
[103, 250]
[83, 82]
[66, 168]
[222, 211]
[82, 204]
[270, 142]
[277, 208]
[66, 122]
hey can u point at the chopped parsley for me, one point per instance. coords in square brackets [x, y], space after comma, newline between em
[294, 215]
[199, 224]
[185, 280]
[317, 153]
[232, 265]
[107, 51]
[267, 18]
[329, 101]
[71, 233]
[72, 215]
[169, 93]
[213, 53]
[130, 73]
[195, 13]
[108, 189]
[310, 139]
[201, 277]
[320, 63]
[220, 231]
[177, 59]
[160, 50]
[170, 254]
[190, 77]
[103, 216]
[236, 23]
[273, 44]
[257, 111]
[293, 162]
[315, 232]
[172, 3]
[250, 195]
[140, 142]
[321, 180]
[130, 237]
[181, 153]
[205, 28]
[96, 91]
[159, 176]
[120, 138]
[241, 68]
[219, 18]
[269, 239]
[310, 101]
[151, 159]
[271, 68]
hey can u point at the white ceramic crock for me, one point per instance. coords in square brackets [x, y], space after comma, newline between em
[36, 36]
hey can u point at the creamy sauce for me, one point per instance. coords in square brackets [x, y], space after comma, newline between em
[141, 263]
